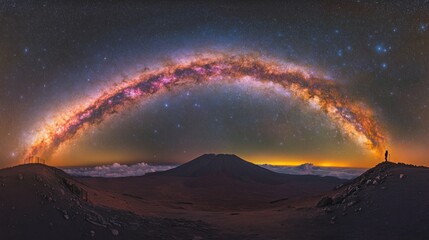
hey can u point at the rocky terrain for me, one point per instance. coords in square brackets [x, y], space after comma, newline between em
[389, 201]
[41, 202]
[215, 197]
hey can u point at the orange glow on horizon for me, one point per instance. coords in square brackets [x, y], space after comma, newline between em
[317, 161]
[406, 153]
[401, 153]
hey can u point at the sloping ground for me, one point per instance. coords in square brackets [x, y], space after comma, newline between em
[224, 191]
[215, 183]
[40, 202]
[390, 201]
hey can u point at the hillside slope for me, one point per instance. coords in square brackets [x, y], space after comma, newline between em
[219, 182]
[389, 201]
[41, 202]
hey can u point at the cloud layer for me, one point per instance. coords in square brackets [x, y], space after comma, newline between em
[140, 169]
[117, 170]
[310, 169]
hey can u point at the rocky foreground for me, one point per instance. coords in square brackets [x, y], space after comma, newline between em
[389, 201]
[232, 201]
[40, 202]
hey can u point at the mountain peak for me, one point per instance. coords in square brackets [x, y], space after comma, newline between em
[218, 156]
[233, 167]
[222, 165]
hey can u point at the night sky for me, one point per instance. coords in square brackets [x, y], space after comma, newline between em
[58, 56]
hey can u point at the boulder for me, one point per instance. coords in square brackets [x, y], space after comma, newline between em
[115, 232]
[352, 200]
[325, 201]
[337, 199]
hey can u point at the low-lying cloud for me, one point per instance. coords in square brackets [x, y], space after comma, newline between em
[117, 170]
[310, 169]
[140, 169]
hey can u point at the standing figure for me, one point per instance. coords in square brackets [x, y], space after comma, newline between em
[386, 154]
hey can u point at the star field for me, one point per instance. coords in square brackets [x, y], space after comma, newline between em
[54, 55]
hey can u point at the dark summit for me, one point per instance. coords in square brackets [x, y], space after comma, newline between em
[232, 166]
[228, 165]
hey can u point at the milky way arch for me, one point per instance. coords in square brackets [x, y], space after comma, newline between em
[354, 119]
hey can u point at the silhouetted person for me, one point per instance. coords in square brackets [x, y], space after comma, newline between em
[386, 154]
